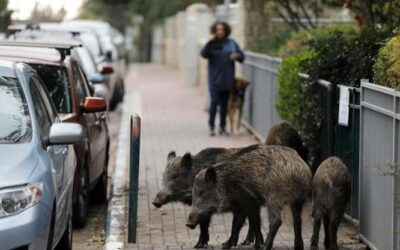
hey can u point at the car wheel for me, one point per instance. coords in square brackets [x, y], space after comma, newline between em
[81, 206]
[101, 189]
[51, 231]
[66, 239]
[113, 104]
[121, 91]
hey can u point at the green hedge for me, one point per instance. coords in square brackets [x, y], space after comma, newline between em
[344, 57]
[271, 42]
[387, 67]
[289, 88]
[341, 55]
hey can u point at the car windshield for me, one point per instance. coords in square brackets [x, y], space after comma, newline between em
[56, 80]
[15, 125]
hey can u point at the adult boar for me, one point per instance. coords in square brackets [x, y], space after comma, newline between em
[285, 134]
[331, 193]
[178, 182]
[258, 175]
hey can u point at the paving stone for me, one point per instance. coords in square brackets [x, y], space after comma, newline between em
[173, 118]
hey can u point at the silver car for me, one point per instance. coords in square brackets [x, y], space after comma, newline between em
[37, 164]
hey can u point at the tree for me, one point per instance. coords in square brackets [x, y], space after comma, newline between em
[294, 12]
[373, 13]
[5, 15]
[46, 14]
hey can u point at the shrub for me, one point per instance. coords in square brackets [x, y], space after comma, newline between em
[270, 42]
[300, 41]
[289, 98]
[387, 67]
[344, 58]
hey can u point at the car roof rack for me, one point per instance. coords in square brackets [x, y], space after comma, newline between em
[63, 47]
[17, 28]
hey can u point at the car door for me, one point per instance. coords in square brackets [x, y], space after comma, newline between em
[57, 153]
[92, 122]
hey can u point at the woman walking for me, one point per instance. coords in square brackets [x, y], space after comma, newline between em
[221, 53]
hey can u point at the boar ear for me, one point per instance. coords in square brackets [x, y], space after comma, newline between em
[171, 155]
[211, 175]
[186, 161]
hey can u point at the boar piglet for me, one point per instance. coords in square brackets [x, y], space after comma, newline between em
[284, 134]
[331, 193]
[178, 181]
[258, 175]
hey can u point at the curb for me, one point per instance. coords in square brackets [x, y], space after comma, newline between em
[115, 223]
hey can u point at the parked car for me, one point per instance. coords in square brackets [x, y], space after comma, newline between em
[88, 55]
[95, 77]
[38, 164]
[71, 93]
[114, 55]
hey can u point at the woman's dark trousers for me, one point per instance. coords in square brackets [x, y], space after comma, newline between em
[219, 98]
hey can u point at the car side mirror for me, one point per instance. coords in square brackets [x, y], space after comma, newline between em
[96, 78]
[64, 133]
[107, 69]
[94, 104]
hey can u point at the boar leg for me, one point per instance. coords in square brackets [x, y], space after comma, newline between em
[249, 238]
[275, 221]
[316, 229]
[327, 230]
[238, 220]
[204, 236]
[296, 213]
[336, 217]
[255, 224]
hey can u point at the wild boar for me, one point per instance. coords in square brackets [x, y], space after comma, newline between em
[257, 175]
[331, 193]
[285, 134]
[178, 181]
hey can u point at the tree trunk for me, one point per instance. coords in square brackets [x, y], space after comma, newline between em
[254, 19]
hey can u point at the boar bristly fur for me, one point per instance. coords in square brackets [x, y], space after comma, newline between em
[331, 193]
[258, 175]
[284, 134]
[179, 177]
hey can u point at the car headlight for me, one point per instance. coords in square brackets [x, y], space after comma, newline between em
[16, 199]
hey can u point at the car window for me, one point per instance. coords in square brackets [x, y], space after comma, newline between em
[87, 61]
[55, 78]
[85, 81]
[47, 100]
[42, 116]
[15, 125]
[92, 42]
[80, 84]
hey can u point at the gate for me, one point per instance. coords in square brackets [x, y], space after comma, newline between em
[347, 148]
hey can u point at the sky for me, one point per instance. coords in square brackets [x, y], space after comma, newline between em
[23, 8]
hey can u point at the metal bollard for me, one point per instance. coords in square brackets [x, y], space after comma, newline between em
[134, 177]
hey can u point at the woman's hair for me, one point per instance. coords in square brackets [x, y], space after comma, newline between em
[226, 26]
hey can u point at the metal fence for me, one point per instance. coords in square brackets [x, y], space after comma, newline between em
[259, 112]
[347, 145]
[326, 94]
[379, 156]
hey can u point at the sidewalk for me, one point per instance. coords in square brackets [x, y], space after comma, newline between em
[173, 118]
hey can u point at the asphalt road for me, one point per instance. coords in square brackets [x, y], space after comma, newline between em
[92, 236]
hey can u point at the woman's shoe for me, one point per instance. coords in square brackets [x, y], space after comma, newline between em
[222, 131]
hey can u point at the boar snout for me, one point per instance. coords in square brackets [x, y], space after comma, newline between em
[193, 220]
[160, 199]
[191, 226]
[156, 204]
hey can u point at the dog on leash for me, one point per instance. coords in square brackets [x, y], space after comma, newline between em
[236, 101]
